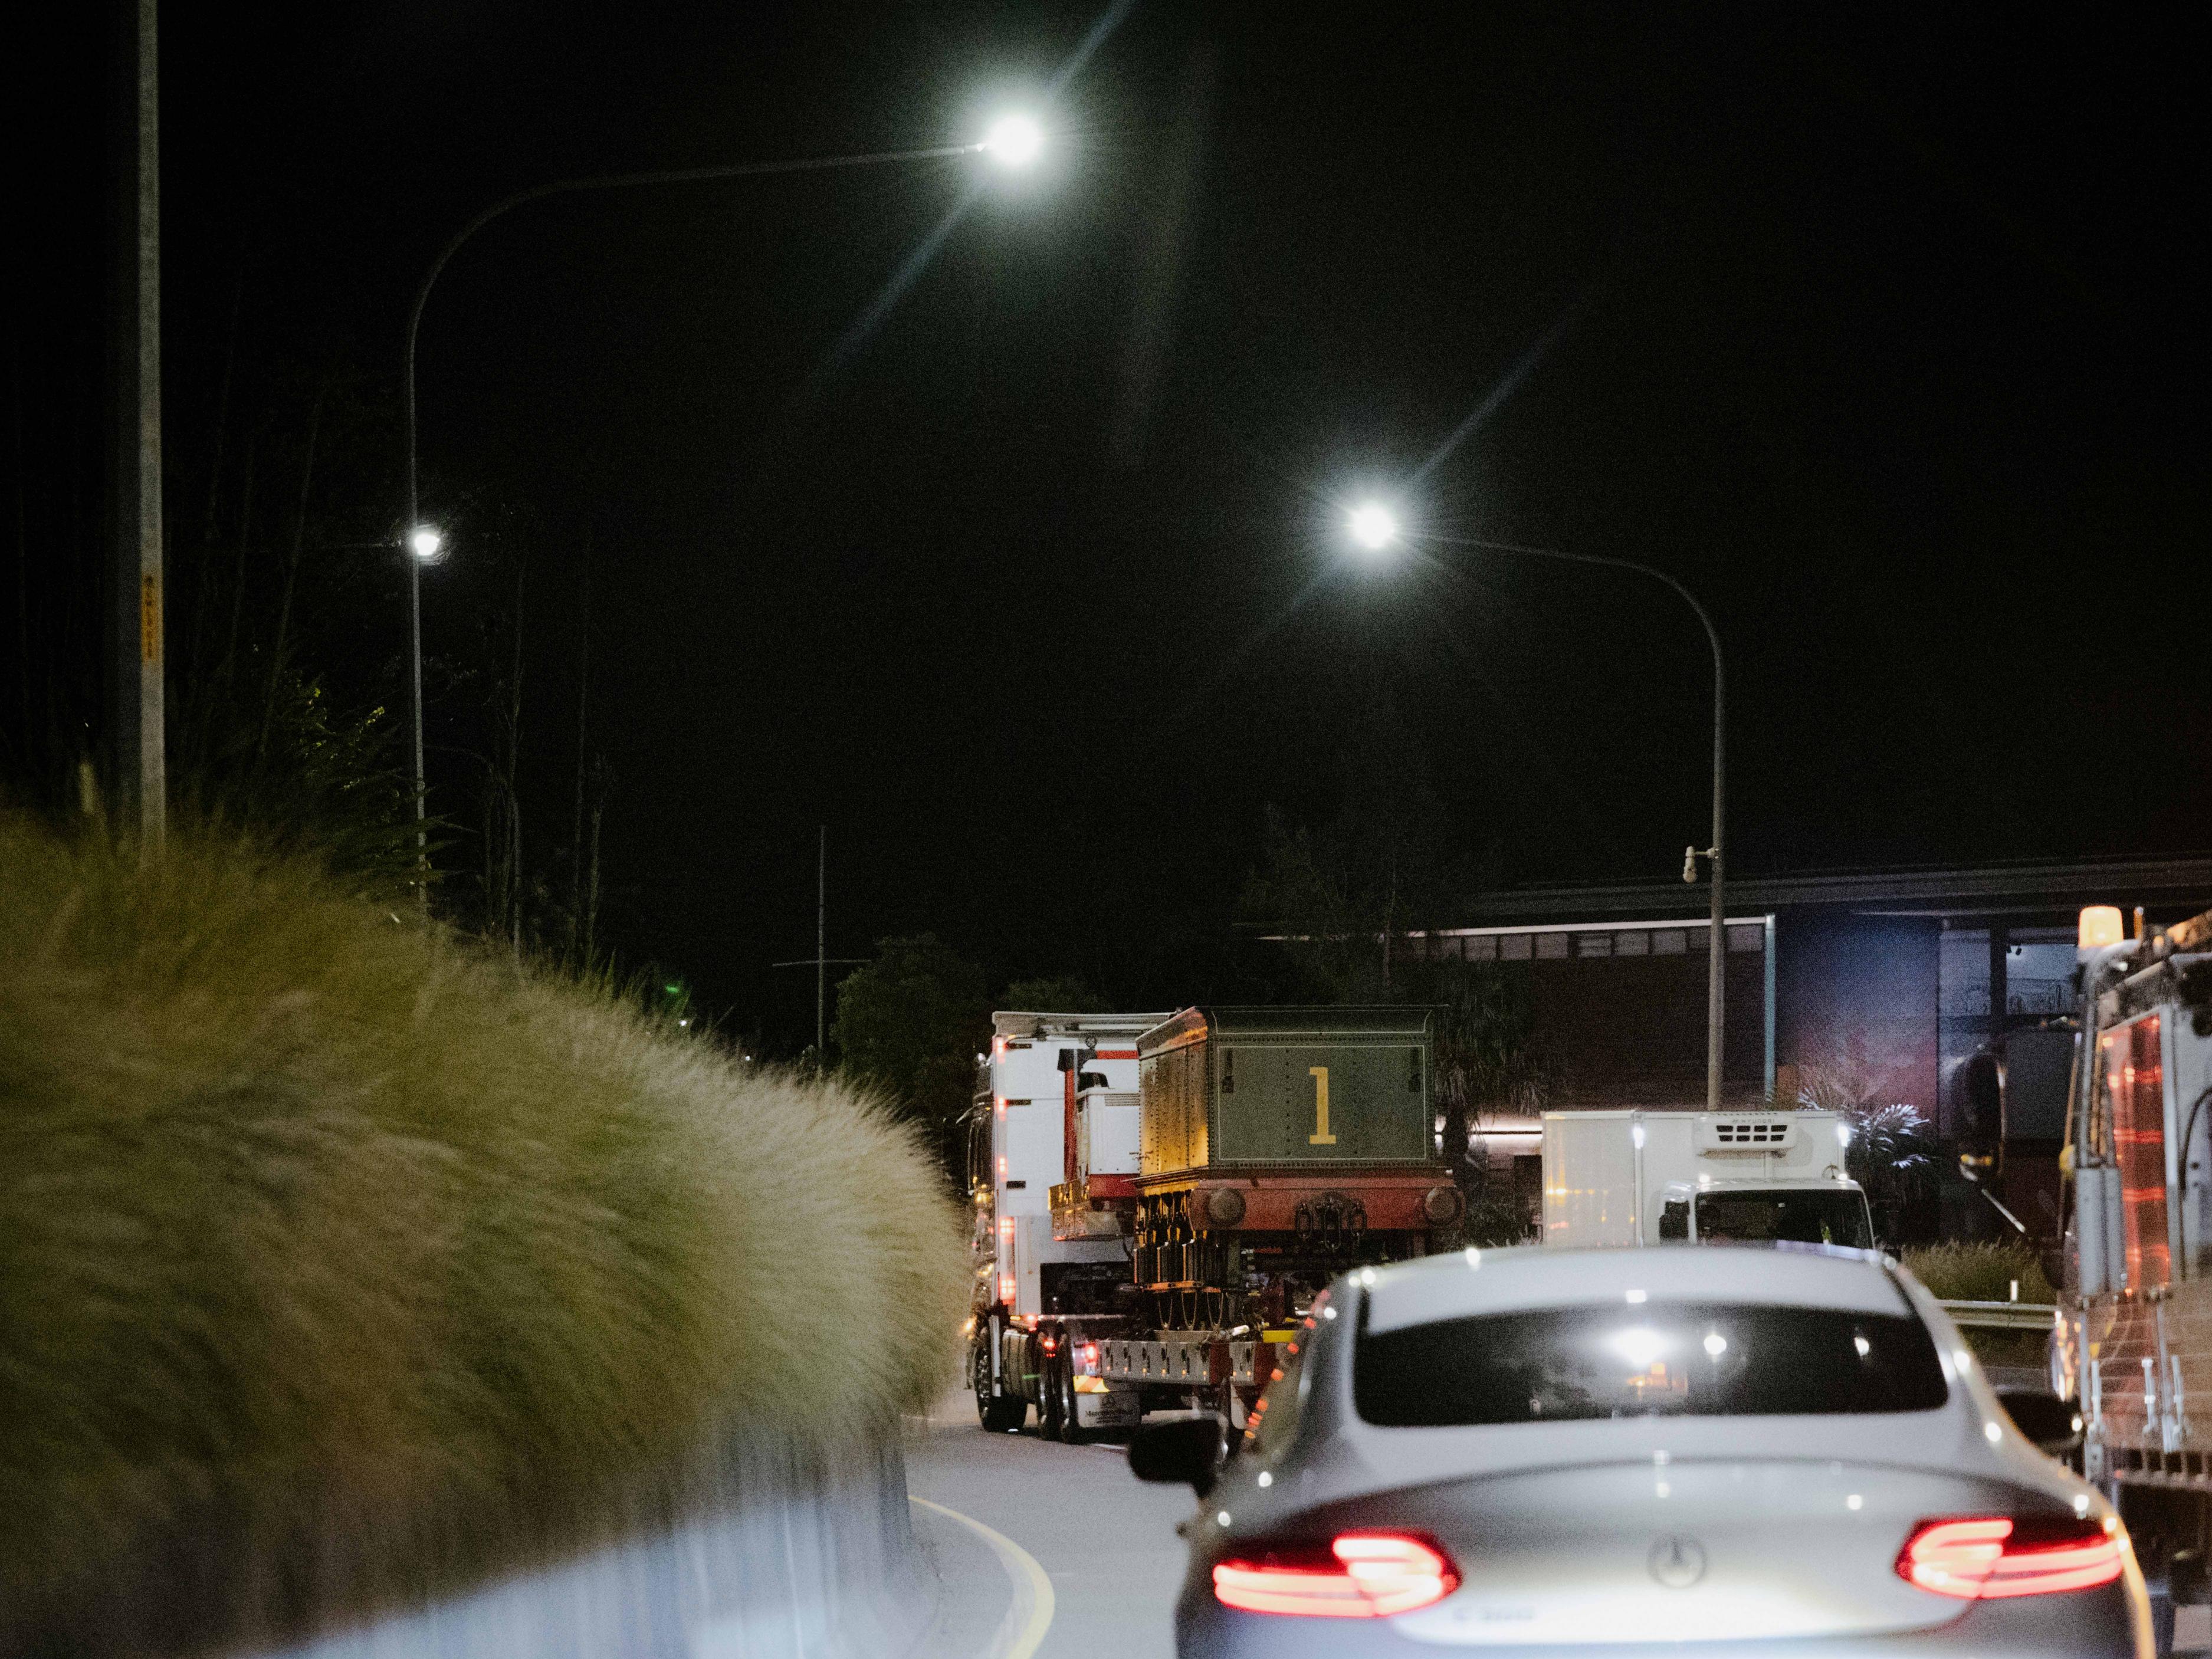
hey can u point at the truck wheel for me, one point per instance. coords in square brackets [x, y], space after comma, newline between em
[1048, 1404]
[997, 1415]
[1071, 1416]
[979, 1380]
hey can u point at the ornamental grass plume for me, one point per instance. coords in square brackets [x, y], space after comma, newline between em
[341, 1262]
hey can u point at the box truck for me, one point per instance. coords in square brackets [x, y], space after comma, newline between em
[1657, 1177]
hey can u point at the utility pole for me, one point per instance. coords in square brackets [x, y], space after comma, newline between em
[821, 942]
[137, 773]
[821, 961]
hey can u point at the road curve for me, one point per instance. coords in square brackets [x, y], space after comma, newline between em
[1089, 1553]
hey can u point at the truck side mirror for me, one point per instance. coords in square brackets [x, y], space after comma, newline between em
[2054, 1425]
[1188, 1451]
[1978, 1089]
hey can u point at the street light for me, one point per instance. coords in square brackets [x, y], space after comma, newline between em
[1374, 527]
[1014, 141]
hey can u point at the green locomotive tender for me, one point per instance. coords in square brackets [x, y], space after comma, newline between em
[1277, 1146]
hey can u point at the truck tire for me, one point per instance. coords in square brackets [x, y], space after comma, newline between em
[979, 1382]
[996, 1415]
[1049, 1419]
[1072, 1431]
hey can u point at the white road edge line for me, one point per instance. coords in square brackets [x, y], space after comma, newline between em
[1029, 1616]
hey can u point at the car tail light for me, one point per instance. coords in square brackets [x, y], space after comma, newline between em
[1356, 1574]
[1982, 1558]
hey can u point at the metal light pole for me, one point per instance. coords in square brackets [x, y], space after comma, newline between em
[1015, 139]
[1374, 527]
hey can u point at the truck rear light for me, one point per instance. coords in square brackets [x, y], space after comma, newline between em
[1051, 1345]
[1356, 1574]
[1005, 1287]
[1089, 1357]
[1984, 1559]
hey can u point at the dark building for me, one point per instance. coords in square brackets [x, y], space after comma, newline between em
[1870, 986]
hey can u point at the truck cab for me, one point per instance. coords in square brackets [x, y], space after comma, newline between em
[1027, 1141]
[1658, 1177]
[1045, 1281]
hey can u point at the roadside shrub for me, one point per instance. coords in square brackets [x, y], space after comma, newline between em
[1496, 1218]
[1979, 1273]
[340, 1260]
[1985, 1272]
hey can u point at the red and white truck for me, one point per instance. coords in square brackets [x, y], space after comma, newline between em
[1055, 1108]
[2132, 1346]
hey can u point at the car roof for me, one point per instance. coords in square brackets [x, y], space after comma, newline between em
[1469, 1282]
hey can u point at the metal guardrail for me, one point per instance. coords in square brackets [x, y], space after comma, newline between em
[2001, 1316]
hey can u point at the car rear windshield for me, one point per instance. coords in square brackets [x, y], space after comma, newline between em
[1653, 1360]
[1799, 1216]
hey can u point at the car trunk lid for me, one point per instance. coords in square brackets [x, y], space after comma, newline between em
[1667, 1551]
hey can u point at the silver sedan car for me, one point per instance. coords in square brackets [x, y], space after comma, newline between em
[1710, 1451]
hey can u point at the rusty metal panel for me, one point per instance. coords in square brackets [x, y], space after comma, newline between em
[1171, 1108]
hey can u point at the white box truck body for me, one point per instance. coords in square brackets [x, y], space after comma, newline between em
[1652, 1178]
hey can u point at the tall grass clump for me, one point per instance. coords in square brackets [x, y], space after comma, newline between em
[1960, 1272]
[1979, 1273]
[341, 1262]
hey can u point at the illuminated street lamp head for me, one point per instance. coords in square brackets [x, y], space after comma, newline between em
[1373, 526]
[425, 544]
[1014, 140]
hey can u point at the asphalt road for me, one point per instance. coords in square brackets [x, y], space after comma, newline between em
[1085, 1560]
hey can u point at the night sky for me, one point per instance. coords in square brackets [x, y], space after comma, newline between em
[1882, 330]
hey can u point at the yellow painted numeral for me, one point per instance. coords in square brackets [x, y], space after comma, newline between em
[1321, 1136]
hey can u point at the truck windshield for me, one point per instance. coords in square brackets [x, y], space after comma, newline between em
[1664, 1360]
[1825, 1215]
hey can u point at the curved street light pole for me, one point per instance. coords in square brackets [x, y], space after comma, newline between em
[558, 187]
[1717, 942]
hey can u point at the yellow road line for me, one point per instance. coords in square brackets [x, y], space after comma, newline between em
[1030, 1615]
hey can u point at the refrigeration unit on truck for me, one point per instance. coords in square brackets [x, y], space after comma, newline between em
[1256, 1153]
[1656, 1177]
[2133, 1339]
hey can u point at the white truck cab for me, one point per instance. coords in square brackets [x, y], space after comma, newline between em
[1653, 1177]
[1030, 1139]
